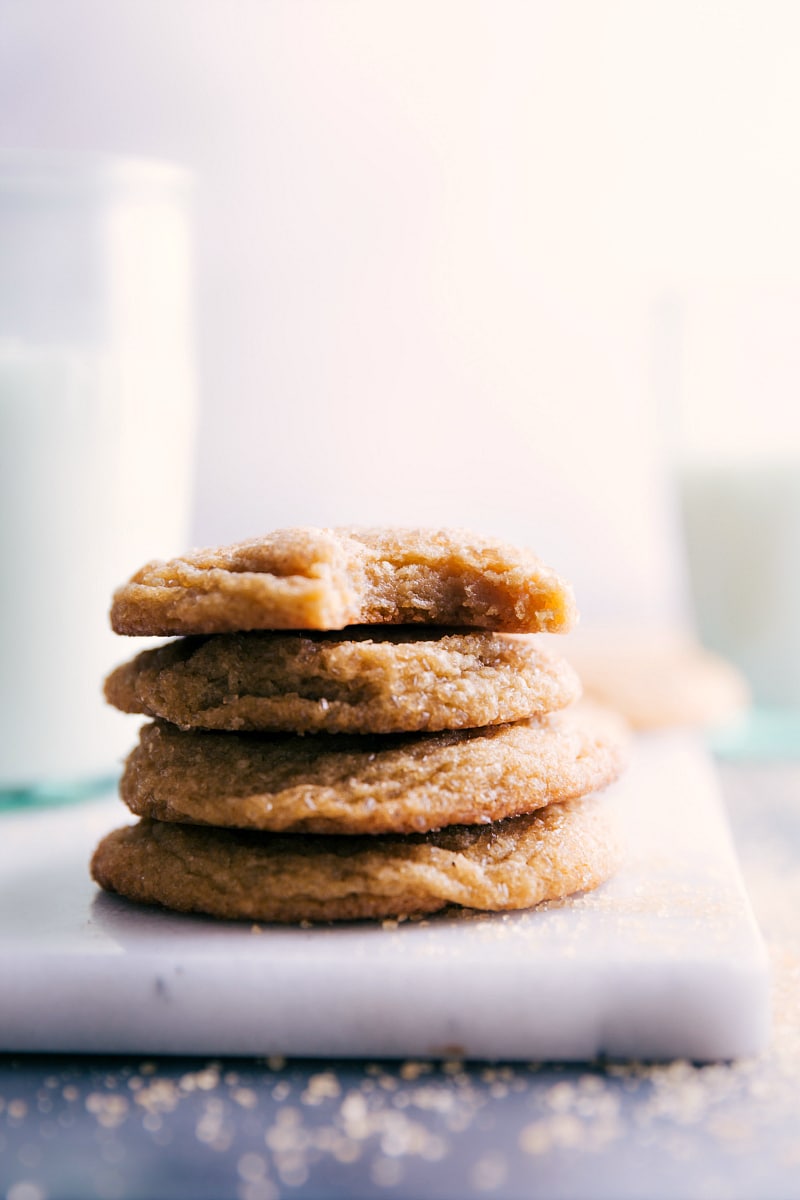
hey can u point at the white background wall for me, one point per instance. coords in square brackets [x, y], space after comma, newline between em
[434, 239]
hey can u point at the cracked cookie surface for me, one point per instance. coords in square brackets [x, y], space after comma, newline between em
[366, 680]
[311, 578]
[513, 864]
[337, 784]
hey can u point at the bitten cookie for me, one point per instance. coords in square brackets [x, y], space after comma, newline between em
[366, 680]
[370, 784]
[262, 877]
[330, 578]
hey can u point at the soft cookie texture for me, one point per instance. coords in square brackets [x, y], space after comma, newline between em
[330, 578]
[513, 864]
[367, 680]
[335, 784]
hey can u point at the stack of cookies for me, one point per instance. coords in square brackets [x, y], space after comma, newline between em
[355, 723]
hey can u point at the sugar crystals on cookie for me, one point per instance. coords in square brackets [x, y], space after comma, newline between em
[356, 724]
[331, 578]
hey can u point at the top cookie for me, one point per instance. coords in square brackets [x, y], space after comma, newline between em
[330, 578]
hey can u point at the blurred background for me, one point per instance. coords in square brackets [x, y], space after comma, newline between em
[529, 268]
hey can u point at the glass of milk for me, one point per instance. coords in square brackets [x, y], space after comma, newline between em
[97, 391]
[738, 390]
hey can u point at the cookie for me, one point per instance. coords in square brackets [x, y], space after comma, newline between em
[330, 578]
[657, 678]
[514, 864]
[337, 784]
[367, 680]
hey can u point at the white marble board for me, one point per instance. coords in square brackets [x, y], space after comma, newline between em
[664, 961]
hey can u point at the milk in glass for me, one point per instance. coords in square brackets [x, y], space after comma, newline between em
[739, 477]
[96, 417]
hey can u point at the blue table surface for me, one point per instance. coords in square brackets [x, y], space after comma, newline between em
[126, 1129]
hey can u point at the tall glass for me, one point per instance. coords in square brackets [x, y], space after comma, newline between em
[97, 391]
[739, 410]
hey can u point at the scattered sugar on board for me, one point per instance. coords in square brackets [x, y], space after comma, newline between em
[282, 1123]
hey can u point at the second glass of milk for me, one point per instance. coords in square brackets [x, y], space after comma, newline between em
[97, 395]
[739, 409]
